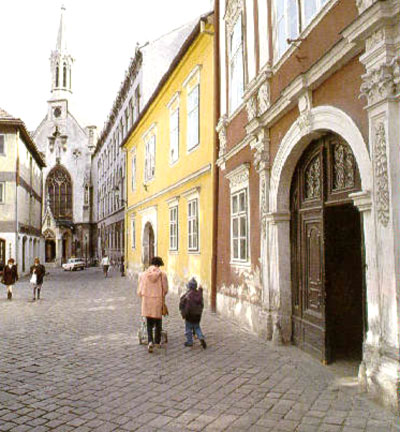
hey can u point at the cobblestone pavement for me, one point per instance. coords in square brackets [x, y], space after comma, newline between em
[71, 362]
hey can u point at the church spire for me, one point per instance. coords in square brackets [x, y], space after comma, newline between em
[61, 39]
[61, 64]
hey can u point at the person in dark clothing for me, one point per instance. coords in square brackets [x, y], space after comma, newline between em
[10, 276]
[39, 270]
[191, 306]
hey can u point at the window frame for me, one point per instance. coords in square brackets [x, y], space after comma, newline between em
[149, 138]
[192, 146]
[176, 130]
[174, 223]
[196, 230]
[239, 215]
[229, 35]
[133, 170]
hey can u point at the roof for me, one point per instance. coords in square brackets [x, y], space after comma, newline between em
[7, 119]
[152, 60]
[183, 48]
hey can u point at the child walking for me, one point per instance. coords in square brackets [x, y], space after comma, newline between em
[191, 306]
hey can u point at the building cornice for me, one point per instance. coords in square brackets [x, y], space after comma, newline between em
[185, 180]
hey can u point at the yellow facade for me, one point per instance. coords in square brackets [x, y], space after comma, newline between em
[178, 182]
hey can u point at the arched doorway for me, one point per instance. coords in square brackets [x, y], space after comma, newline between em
[326, 252]
[50, 246]
[148, 244]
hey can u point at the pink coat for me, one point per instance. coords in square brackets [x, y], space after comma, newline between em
[153, 286]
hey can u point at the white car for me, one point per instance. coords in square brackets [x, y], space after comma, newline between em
[74, 264]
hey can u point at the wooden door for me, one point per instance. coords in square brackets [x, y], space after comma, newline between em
[148, 244]
[324, 177]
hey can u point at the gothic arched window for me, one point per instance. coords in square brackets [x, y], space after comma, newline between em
[65, 75]
[59, 190]
[57, 75]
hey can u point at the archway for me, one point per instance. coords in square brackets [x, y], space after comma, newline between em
[326, 257]
[50, 246]
[148, 244]
[278, 285]
[24, 246]
[2, 252]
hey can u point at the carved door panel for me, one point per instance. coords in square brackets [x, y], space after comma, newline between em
[323, 221]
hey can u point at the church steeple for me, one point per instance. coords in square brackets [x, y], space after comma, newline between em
[61, 64]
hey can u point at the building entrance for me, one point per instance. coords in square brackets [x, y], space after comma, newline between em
[326, 255]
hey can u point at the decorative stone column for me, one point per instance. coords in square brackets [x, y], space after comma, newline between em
[279, 282]
[381, 87]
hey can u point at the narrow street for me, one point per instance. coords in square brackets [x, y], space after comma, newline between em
[72, 362]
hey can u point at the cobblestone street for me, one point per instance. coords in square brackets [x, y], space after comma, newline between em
[72, 362]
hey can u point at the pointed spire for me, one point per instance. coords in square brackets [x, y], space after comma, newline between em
[61, 38]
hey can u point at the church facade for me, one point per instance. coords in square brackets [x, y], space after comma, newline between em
[67, 146]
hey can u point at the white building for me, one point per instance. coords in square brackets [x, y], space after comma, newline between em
[20, 194]
[68, 147]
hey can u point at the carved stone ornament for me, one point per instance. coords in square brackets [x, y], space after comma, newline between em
[381, 174]
[261, 154]
[233, 9]
[375, 39]
[221, 130]
[304, 121]
[239, 177]
[263, 204]
[382, 82]
[263, 98]
[251, 107]
[364, 4]
[313, 179]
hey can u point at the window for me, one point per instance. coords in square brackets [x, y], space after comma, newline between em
[131, 112]
[236, 69]
[86, 200]
[149, 165]
[193, 117]
[173, 228]
[2, 145]
[57, 75]
[193, 225]
[239, 226]
[133, 170]
[65, 75]
[2, 192]
[59, 189]
[292, 17]
[127, 119]
[133, 233]
[137, 102]
[174, 136]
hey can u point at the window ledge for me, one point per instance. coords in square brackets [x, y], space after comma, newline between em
[193, 149]
[194, 252]
[241, 265]
[235, 112]
[173, 252]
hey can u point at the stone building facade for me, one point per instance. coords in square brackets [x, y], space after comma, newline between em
[308, 134]
[21, 179]
[68, 148]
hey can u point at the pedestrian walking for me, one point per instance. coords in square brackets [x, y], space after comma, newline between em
[152, 288]
[122, 266]
[10, 277]
[37, 273]
[191, 306]
[105, 262]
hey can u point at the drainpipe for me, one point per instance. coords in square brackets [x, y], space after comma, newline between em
[215, 168]
[16, 198]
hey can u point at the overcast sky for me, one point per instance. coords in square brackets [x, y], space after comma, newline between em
[101, 37]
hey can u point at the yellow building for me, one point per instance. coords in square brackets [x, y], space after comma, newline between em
[171, 169]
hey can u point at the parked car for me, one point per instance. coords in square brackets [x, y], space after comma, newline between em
[74, 264]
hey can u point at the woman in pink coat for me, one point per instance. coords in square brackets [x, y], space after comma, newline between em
[153, 287]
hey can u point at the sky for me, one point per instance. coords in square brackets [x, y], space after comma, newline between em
[101, 37]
